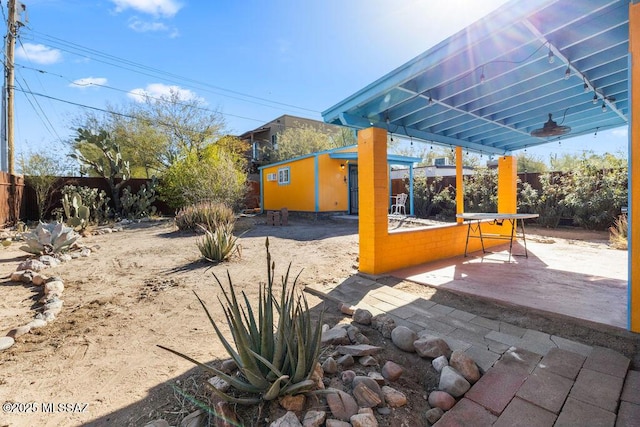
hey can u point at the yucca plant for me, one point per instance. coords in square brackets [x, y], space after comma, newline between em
[272, 362]
[217, 245]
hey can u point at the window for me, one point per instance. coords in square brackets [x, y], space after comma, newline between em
[274, 142]
[256, 151]
[283, 176]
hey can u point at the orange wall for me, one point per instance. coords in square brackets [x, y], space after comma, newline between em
[296, 196]
[307, 175]
[382, 251]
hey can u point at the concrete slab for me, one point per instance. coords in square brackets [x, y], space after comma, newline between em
[501, 337]
[576, 413]
[462, 315]
[486, 323]
[628, 415]
[631, 389]
[520, 413]
[545, 389]
[598, 389]
[495, 389]
[607, 361]
[572, 346]
[563, 362]
[466, 413]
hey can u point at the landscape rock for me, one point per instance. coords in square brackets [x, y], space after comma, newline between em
[366, 397]
[465, 365]
[403, 338]
[36, 323]
[85, 252]
[335, 336]
[391, 371]
[219, 384]
[226, 417]
[439, 362]
[337, 423]
[361, 338]
[452, 382]
[330, 366]
[385, 410]
[429, 346]
[56, 286]
[293, 403]
[342, 405]
[377, 377]
[368, 361]
[287, 420]
[317, 375]
[6, 342]
[394, 398]
[352, 332]
[370, 383]
[38, 279]
[359, 349]
[347, 309]
[229, 365]
[442, 400]
[314, 418]
[433, 415]
[364, 420]
[48, 316]
[348, 376]
[16, 276]
[19, 331]
[194, 419]
[384, 324]
[362, 316]
[48, 261]
[31, 264]
[346, 361]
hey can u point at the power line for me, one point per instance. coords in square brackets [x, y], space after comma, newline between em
[112, 60]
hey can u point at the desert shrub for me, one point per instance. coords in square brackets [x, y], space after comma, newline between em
[595, 194]
[208, 214]
[218, 242]
[210, 174]
[432, 198]
[551, 205]
[618, 233]
[527, 199]
[481, 191]
[276, 346]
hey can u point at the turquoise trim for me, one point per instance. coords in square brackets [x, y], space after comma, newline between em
[411, 190]
[261, 192]
[306, 156]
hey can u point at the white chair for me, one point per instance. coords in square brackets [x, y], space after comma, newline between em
[398, 205]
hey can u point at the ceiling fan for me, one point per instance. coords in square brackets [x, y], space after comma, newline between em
[550, 128]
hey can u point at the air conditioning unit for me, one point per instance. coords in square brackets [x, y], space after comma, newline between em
[441, 161]
[272, 177]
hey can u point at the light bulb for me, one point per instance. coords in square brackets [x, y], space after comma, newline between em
[604, 107]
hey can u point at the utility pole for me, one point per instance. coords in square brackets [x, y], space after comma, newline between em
[13, 24]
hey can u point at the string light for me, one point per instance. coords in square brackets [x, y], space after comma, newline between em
[567, 73]
[595, 99]
[552, 58]
[604, 107]
[482, 78]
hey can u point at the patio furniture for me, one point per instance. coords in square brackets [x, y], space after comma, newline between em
[475, 219]
[399, 204]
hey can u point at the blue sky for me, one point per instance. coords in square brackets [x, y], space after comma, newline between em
[250, 60]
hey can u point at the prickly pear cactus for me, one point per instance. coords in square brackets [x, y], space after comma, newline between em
[77, 214]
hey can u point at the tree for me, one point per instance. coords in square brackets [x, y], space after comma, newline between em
[105, 160]
[211, 174]
[42, 171]
[307, 139]
[530, 163]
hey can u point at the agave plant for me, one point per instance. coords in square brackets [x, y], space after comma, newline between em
[49, 238]
[217, 245]
[272, 361]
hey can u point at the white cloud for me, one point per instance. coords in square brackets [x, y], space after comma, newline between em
[166, 8]
[621, 132]
[142, 26]
[88, 81]
[38, 53]
[159, 90]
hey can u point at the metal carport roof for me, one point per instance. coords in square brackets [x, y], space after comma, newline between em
[488, 86]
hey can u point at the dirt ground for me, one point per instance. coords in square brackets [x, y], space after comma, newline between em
[136, 291]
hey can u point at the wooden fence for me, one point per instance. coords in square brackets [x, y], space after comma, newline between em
[11, 192]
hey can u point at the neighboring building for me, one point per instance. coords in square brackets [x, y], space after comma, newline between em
[441, 167]
[264, 139]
